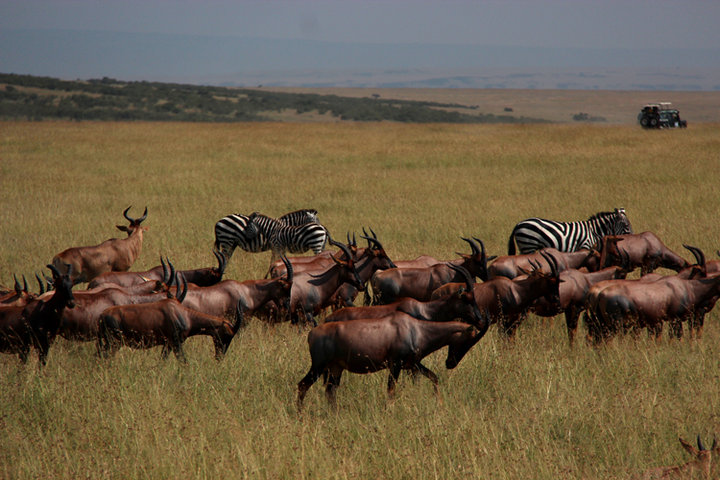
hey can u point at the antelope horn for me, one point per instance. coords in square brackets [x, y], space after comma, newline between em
[173, 277]
[354, 242]
[128, 217]
[40, 282]
[469, 280]
[345, 249]
[699, 442]
[482, 247]
[373, 233]
[17, 284]
[697, 253]
[25, 286]
[54, 271]
[144, 216]
[181, 289]
[473, 245]
[165, 270]
[714, 444]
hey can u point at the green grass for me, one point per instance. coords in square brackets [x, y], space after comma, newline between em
[533, 409]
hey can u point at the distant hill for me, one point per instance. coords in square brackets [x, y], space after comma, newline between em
[248, 62]
[36, 98]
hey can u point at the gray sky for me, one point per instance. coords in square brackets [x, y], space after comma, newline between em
[577, 24]
[544, 23]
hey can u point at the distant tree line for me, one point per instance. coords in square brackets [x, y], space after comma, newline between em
[37, 98]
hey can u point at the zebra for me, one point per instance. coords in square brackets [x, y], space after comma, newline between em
[536, 233]
[232, 231]
[284, 238]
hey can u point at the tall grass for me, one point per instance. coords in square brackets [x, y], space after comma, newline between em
[532, 409]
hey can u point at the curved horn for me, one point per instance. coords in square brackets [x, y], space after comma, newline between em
[180, 294]
[697, 253]
[40, 282]
[469, 279]
[165, 270]
[54, 271]
[482, 247]
[345, 249]
[127, 217]
[172, 276]
[699, 442]
[473, 245]
[25, 286]
[17, 287]
[144, 216]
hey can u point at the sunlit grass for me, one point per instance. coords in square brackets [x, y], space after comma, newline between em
[535, 409]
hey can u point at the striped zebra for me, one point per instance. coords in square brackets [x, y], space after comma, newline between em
[284, 238]
[232, 231]
[536, 233]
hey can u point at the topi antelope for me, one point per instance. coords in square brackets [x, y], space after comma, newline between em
[113, 255]
[164, 323]
[395, 343]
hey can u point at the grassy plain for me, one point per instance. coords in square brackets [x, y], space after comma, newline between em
[615, 106]
[536, 409]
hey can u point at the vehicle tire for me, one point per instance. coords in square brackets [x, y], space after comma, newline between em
[644, 122]
[653, 122]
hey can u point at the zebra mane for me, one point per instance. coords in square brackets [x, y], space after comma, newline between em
[606, 214]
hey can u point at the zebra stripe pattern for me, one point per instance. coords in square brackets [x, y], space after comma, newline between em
[536, 233]
[235, 231]
[289, 238]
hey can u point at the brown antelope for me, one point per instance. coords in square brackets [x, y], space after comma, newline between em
[419, 283]
[36, 324]
[311, 293]
[645, 250]
[700, 467]
[574, 286]
[395, 343]
[369, 261]
[637, 304]
[165, 323]
[249, 296]
[111, 255]
[458, 305]
[511, 266]
[81, 322]
[507, 301]
[201, 277]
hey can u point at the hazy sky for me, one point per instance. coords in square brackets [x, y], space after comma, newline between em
[545, 23]
[176, 39]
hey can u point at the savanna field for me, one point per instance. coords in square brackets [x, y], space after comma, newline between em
[534, 409]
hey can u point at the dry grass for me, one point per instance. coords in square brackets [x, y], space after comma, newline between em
[535, 409]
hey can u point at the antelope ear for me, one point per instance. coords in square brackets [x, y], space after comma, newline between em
[122, 228]
[689, 448]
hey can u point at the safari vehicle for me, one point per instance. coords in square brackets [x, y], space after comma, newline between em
[660, 115]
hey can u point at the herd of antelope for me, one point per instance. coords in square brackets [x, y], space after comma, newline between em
[412, 307]
[415, 307]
